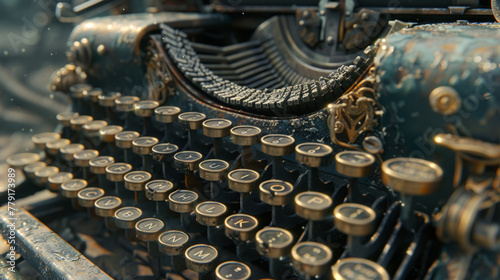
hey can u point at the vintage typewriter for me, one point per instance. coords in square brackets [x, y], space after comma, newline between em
[240, 139]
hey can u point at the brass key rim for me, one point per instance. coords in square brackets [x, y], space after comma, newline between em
[271, 249]
[368, 264]
[54, 147]
[109, 132]
[149, 234]
[311, 267]
[124, 139]
[19, 161]
[312, 212]
[169, 248]
[98, 164]
[356, 169]
[221, 276]
[107, 210]
[145, 108]
[245, 139]
[167, 114]
[41, 139]
[352, 226]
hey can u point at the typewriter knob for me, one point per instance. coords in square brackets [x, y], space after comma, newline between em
[108, 133]
[164, 152]
[83, 158]
[116, 171]
[182, 201]
[98, 164]
[106, 206]
[241, 227]
[124, 139]
[358, 268]
[109, 100]
[201, 258]
[88, 196]
[77, 123]
[158, 190]
[277, 144]
[127, 217]
[314, 154]
[276, 192]
[53, 147]
[187, 161]
[216, 128]
[233, 270]
[210, 213]
[144, 145]
[41, 139]
[30, 169]
[19, 161]
[92, 128]
[173, 242]
[42, 175]
[311, 258]
[56, 180]
[192, 120]
[167, 114]
[65, 117]
[149, 229]
[71, 188]
[245, 135]
[70, 150]
[354, 219]
[136, 180]
[243, 180]
[126, 103]
[274, 242]
[313, 206]
[354, 164]
[145, 108]
[213, 169]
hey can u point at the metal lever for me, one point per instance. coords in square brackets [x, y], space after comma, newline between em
[65, 12]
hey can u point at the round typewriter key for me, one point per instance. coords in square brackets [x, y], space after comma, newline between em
[83, 158]
[241, 227]
[56, 180]
[354, 164]
[311, 258]
[65, 117]
[108, 133]
[210, 213]
[41, 139]
[70, 150]
[213, 169]
[145, 108]
[216, 128]
[276, 192]
[173, 242]
[42, 175]
[126, 103]
[98, 164]
[106, 206]
[93, 127]
[201, 258]
[274, 242]
[77, 123]
[71, 188]
[164, 152]
[313, 206]
[314, 154]
[93, 95]
[187, 161]
[19, 161]
[53, 147]
[358, 268]
[144, 145]
[79, 90]
[411, 176]
[148, 229]
[116, 171]
[277, 144]
[136, 180]
[354, 219]
[127, 217]
[30, 169]
[88, 196]
[182, 201]
[233, 270]
[192, 120]
[243, 180]
[158, 190]
[245, 135]
[109, 100]
[124, 139]
[167, 114]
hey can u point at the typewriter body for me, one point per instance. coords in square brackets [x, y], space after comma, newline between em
[240, 139]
